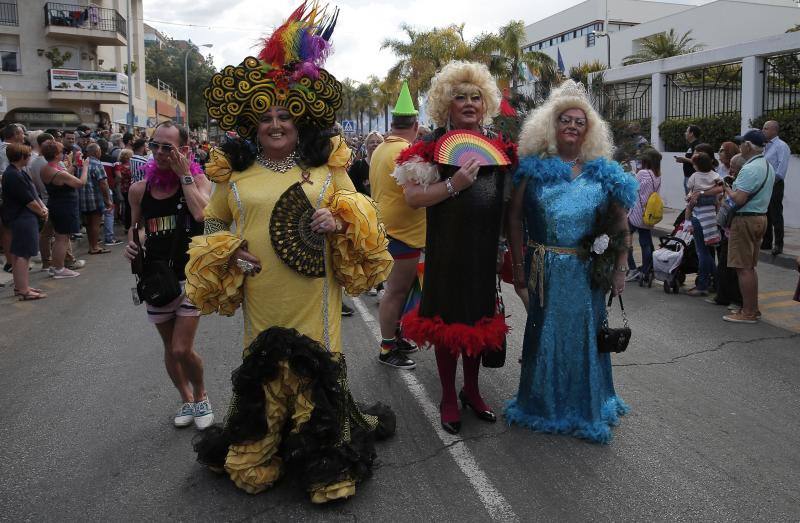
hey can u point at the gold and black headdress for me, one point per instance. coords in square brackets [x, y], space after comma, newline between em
[287, 72]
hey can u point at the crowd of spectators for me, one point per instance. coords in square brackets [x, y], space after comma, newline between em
[747, 177]
[61, 185]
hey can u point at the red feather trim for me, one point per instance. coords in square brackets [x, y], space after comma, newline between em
[423, 149]
[487, 334]
[506, 109]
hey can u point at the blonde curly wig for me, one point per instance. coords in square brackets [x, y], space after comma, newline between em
[454, 75]
[538, 136]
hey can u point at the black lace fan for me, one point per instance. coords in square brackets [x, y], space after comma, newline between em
[292, 238]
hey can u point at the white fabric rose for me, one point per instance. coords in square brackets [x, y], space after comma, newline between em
[600, 244]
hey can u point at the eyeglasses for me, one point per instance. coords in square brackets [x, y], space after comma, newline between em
[566, 120]
[155, 146]
[463, 98]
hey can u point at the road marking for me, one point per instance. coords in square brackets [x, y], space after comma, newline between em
[774, 294]
[779, 304]
[495, 504]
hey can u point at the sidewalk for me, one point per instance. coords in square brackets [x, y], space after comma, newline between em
[791, 241]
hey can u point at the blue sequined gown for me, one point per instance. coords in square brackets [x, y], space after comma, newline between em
[566, 386]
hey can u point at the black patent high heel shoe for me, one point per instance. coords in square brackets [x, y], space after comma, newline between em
[453, 427]
[485, 415]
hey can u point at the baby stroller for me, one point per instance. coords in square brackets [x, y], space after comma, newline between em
[675, 258]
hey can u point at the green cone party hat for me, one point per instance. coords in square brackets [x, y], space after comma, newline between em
[404, 105]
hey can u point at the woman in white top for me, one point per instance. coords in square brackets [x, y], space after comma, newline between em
[649, 178]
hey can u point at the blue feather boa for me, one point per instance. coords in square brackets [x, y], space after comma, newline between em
[619, 185]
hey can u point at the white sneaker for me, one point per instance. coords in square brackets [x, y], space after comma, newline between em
[51, 271]
[372, 292]
[185, 416]
[633, 276]
[203, 415]
[62, 273]
[76, 264]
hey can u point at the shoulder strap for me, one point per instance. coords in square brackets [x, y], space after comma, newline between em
[179, 238]
[766, 177]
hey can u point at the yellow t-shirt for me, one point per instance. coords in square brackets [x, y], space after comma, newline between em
[402, 222]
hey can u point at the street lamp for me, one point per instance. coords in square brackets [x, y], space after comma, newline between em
[186, 80]
[608, 37]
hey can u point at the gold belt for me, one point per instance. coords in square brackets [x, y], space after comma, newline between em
[538, 252]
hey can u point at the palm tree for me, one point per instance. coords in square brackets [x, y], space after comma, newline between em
[503, 54]
[388, 91]
[580, 73]
[424, 53]
[663, 45]
[348, 98]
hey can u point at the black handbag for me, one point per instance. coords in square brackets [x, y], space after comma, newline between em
[610, 339]
[157, 284]
[496, 358]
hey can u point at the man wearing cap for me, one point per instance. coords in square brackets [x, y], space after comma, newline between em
[777, 153]
[405, 227]
[751, 193]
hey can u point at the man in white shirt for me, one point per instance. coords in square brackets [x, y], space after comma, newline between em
[777, 153]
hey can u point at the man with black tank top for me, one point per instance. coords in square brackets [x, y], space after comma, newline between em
[174, 190]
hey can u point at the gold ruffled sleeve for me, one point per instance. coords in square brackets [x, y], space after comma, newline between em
[218, 168]
[211, 285]
[360, 256]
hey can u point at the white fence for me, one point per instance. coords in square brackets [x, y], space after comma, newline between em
[751, 55]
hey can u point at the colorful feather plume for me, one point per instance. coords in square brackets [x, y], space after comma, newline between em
[302, 41]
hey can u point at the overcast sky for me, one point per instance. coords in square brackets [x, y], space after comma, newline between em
[234, 26]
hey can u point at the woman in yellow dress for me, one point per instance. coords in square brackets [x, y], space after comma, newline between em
[284, 232]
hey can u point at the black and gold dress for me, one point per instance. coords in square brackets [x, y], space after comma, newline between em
[291, 410]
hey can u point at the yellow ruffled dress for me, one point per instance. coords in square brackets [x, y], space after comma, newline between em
[281, 299]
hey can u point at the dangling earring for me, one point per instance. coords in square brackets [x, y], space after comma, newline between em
[449, 123]
[259, 149]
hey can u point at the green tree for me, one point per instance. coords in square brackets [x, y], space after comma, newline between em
[580, 73]
[166, 64]
[502, 53]
[663, 45]
[424, 53]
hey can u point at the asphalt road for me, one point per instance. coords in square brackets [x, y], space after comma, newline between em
[86, 430]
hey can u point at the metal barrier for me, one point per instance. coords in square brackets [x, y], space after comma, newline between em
[781, 82]
[702, 92]
[626, 101]
[84, 17]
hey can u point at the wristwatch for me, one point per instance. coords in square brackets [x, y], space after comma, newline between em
[187, 180]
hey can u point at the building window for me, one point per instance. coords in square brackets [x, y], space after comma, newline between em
[9, 58]
[590, 40]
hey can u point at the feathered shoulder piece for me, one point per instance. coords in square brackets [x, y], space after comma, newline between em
[415, 164]
[619, 185]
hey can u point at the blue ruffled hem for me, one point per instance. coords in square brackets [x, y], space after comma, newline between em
[594, 431]
[620, 185]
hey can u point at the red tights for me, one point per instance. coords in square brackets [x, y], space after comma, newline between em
[447, 362]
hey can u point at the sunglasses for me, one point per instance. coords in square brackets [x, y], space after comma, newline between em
[156, 146]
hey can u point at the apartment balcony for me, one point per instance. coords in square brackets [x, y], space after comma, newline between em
[88, 24]
[72, 85]
[8, 14]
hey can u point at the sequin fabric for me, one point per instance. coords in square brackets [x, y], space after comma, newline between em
[566, 386]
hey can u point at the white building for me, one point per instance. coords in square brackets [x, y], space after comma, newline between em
[63, 64]
[713, 24]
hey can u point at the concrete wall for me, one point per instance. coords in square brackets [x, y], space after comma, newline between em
[672, 187]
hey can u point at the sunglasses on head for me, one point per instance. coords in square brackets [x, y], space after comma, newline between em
[156, 146]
